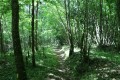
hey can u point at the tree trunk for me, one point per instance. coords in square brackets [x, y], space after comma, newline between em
[70, 32]
[100, 25]
[33, 41]
[29, 42]
[118, 9]
[36, 43]
[85, 35]
[21, 73]
[1, 36]
[118, 16]
[29, 37]
[71, 45]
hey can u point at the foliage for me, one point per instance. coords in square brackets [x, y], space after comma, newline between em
[91, 25]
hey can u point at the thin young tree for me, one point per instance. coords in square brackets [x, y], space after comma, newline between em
[36, 31]
[101, 22]
[1, 36]
[68, 24]
[118, 17]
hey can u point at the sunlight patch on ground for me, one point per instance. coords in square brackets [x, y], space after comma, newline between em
[66, 54]
[66, 51]
[61, 70]
[54, 77]
[103, 57]
[114, 79]
[62, 55]
[40, 62]
[76, 49]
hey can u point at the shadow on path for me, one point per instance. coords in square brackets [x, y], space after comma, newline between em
[60, 72]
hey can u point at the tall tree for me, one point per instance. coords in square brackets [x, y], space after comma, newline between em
[68, 23]
[118, 9]
[36, 31]
[33, 41]
[100, 25]
[118, 16]
[21, 72]
[84, 38]
[1, 36]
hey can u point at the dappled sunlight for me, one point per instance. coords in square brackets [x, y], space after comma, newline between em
[59, 40]
[40, 63]
[61, 70]
[65, 51]
[101, 65]
[58, 72]
[107, 70]
[76, 49]
[66, 54]
[103, 57]
[62, 53]
[52, 76]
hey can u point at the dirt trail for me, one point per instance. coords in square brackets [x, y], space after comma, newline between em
[60, 73]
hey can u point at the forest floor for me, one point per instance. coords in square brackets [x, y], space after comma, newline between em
[61, 70]
[103, 66]
[55, 65]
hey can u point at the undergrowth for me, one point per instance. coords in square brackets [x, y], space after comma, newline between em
[45, 62]
[102, 66]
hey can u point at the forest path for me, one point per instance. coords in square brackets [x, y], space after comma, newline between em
[60, 72]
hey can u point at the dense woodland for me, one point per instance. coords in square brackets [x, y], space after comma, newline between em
[59, 39]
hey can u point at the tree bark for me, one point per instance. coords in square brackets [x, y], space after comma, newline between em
[118, 9]
[100, 25]
[33, 41]
[1, 36]
[118, 16]
[84, 39]
[36, 45]
[21, 72]
[70, 32]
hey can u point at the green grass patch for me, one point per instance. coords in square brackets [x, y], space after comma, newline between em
[102, 66]
[7, 68]
[111, 56]
[45, 62]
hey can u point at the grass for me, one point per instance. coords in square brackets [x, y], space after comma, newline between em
[104, 66]
[45, 63]
[7, 70]
[111, 56]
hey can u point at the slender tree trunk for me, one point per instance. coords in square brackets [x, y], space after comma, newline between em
[1, 36]
[29, 37]
[21, 72]
[70, 32]
[71, 45]
[118, 9]
[100, 25]
[78, 25]
[33, 41]
[84, 48]
[118, 16]
[36, 45]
